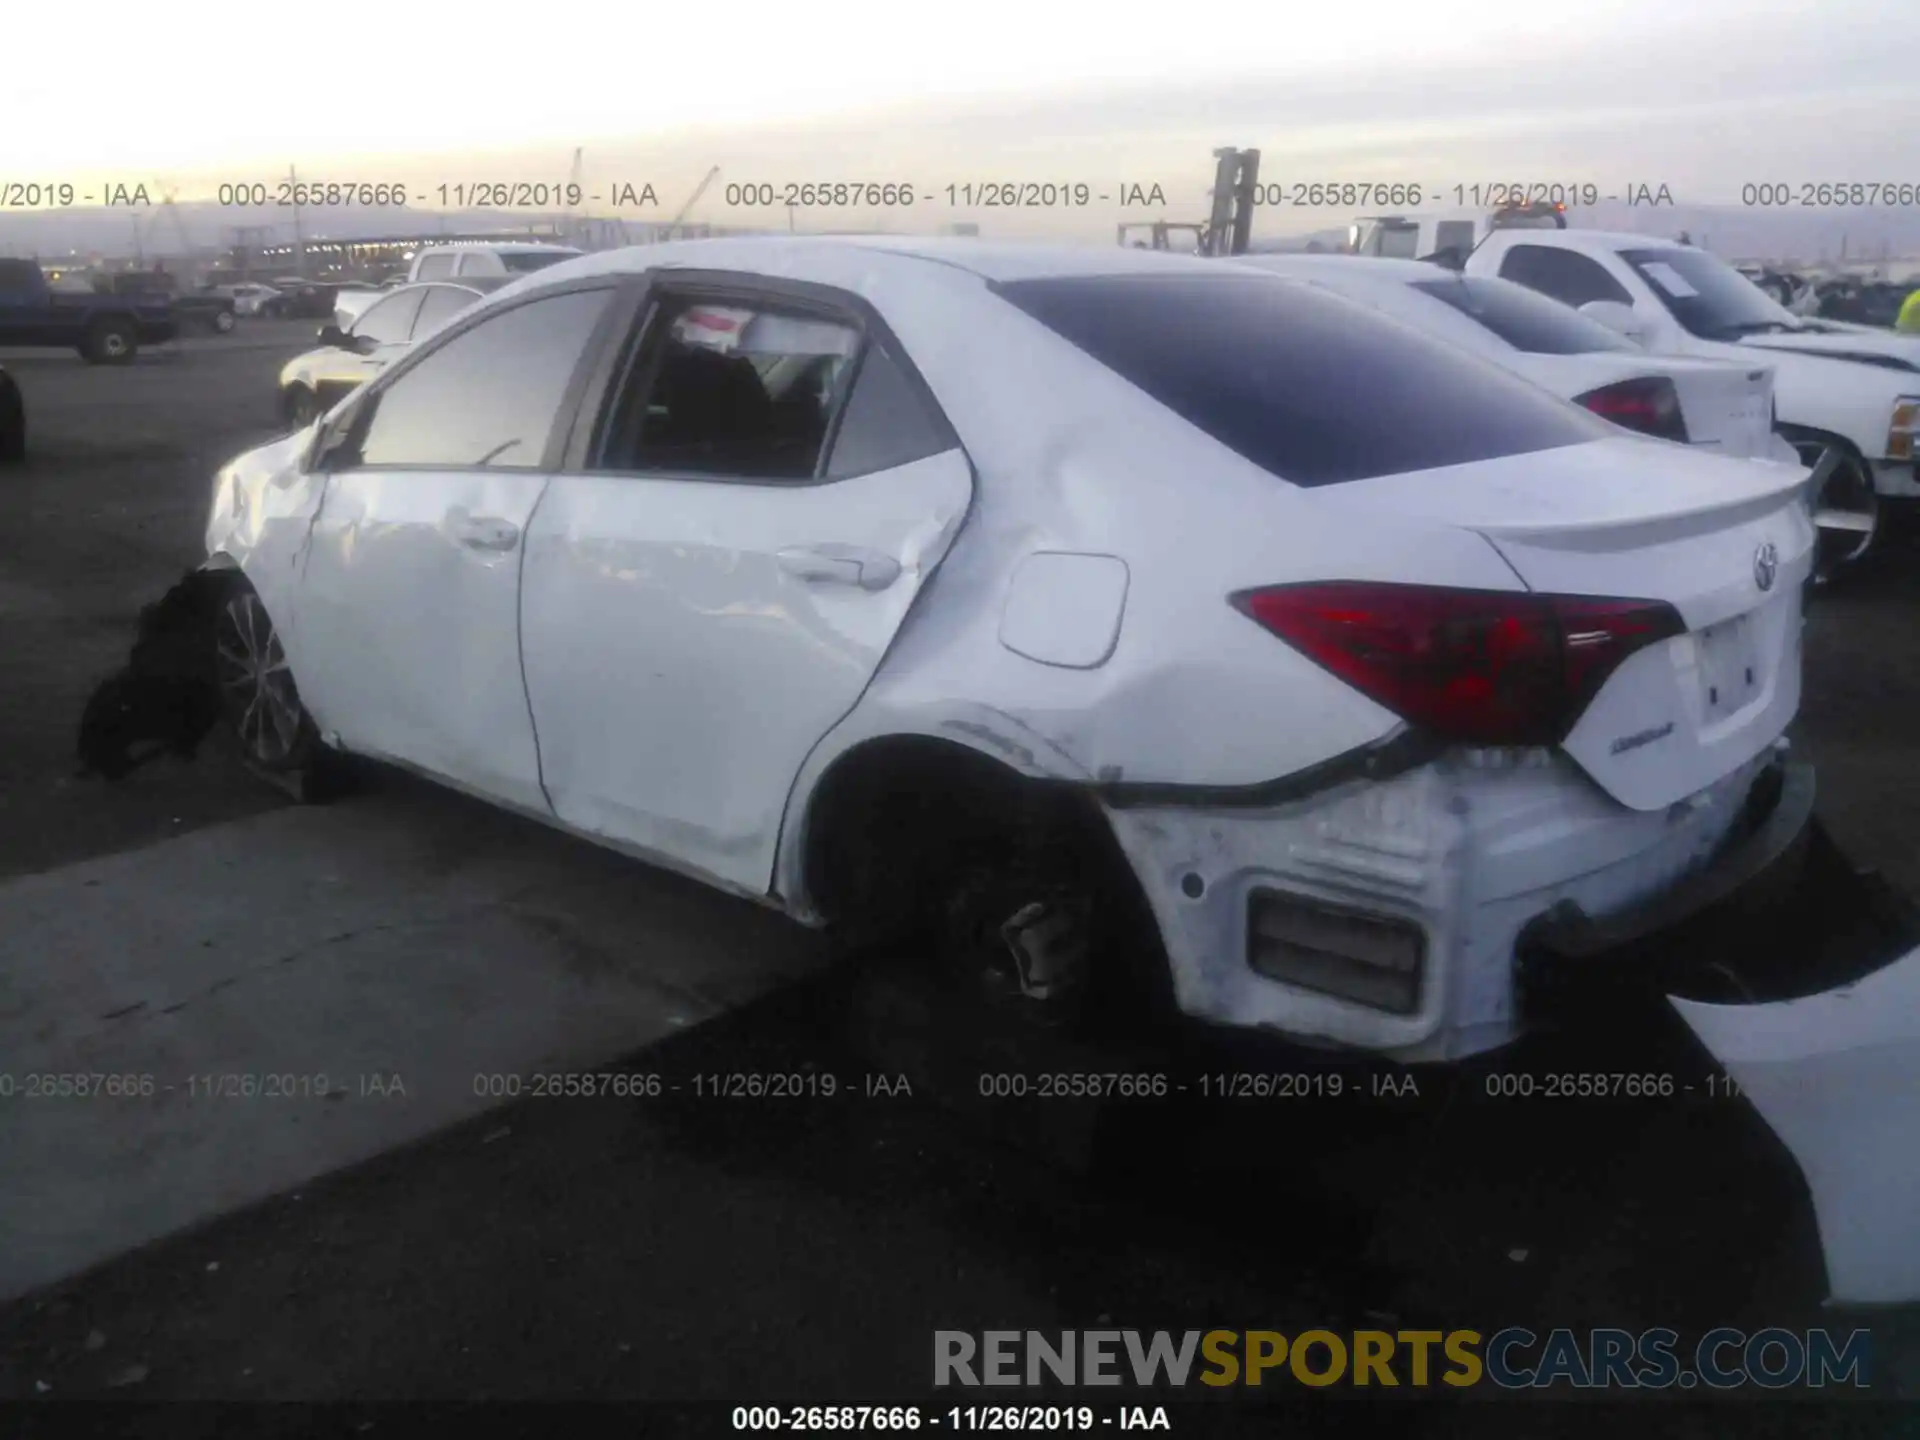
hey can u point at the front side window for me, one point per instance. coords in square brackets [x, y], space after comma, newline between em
[727, 389]
[1565, 275]
[490, 396]
[389, 321]
[443, 302]
[435, 267]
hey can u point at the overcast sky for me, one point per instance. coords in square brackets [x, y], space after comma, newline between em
[1701, 95]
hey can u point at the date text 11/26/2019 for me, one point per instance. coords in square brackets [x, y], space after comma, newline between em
[832, 1419]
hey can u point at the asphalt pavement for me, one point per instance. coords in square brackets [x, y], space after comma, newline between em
[448, 1242]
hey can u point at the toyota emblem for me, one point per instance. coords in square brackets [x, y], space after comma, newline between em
[1766, 565]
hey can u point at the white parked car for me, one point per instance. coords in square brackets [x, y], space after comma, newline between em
[1714, 405]
[492, 258]
[247, 297]
[350, 302]
[1066, 595]
[1848, 396]
[348, 356]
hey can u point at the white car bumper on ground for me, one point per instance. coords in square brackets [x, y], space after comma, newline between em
[1436, 873]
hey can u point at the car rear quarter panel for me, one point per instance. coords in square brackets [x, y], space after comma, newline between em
[1072, 460]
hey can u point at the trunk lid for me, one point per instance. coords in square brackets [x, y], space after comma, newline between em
[1728, 408]
[1645, 519]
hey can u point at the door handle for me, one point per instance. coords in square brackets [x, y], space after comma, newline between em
[841, 565]
[485, 532]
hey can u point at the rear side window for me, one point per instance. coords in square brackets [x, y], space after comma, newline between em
[886, 423]
[747, 391]
[1314, 388]
[1567, 275]
[1524, 319]
[525, 262]
[435, 267]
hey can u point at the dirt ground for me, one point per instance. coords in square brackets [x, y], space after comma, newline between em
[739, 1252]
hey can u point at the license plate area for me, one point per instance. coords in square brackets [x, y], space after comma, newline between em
[1731, 676]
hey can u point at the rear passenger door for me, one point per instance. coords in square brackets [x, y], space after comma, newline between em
[715, 576]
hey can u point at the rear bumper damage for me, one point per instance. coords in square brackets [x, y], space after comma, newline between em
[1797, 974]
[1441, 875]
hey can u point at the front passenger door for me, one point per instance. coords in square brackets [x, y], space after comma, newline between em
[405, 628]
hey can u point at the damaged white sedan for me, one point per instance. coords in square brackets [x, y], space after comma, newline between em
[1045, 593]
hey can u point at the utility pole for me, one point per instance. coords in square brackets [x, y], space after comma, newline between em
[574, 232]
[299, 243]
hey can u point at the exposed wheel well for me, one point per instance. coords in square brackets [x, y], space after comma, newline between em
[1793, 432]
[916, 836]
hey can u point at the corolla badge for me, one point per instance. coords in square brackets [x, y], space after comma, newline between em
[1766, 565]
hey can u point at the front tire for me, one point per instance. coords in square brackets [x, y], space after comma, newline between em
[223, 322]
[258, 696]
[110, 342]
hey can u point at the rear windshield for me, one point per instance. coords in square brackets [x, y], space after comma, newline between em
[1313, 388]
[521, 263]
[1525, 319]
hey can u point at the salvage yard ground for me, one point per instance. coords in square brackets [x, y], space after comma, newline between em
[439, 1242]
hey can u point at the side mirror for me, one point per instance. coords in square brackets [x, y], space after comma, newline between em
[333, 335]
[1623, 320]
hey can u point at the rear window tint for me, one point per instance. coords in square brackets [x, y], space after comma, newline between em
[1526, 319]
[1313, 388]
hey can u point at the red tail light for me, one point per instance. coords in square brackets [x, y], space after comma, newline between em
[1472, 666]
[1650, 405]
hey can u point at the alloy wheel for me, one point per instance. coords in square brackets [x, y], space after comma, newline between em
[256, 683]
[1844, 503]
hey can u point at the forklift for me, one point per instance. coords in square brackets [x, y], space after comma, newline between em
[1228, 230]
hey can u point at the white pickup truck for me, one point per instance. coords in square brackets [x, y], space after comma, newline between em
[1847, 396]
[487, 258]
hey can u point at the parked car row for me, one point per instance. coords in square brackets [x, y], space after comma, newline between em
[1208, 640]
[1846, 396]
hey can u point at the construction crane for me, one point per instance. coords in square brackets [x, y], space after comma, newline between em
[168, 190]
[692, 200]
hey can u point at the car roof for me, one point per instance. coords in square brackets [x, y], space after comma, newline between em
[819, 257]
[1610, 239]
[1351, 267]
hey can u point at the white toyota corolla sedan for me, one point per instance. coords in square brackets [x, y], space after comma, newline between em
[1020, 590]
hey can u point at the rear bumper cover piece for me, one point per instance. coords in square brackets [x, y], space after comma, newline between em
[1565, 953]
[1473, 848]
